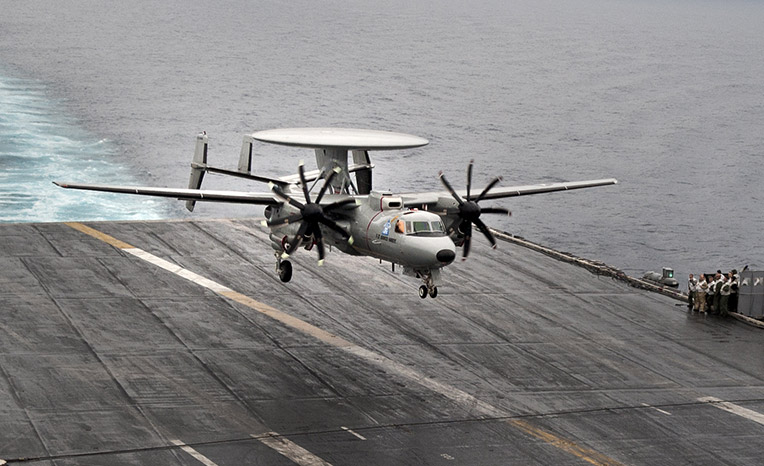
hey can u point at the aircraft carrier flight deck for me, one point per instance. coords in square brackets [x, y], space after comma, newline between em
[175, 343]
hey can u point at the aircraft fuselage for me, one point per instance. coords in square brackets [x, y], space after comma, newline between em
[383, 229]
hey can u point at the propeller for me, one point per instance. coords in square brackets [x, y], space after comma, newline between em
[311, 214]
[469, 211]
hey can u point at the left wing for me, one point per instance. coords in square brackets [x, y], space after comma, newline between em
[432, 198]
[182, 194]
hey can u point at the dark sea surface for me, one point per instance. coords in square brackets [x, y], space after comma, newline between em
[666, 96]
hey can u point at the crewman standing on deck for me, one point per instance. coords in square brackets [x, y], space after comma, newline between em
[733, 291]
[692, 285]
[724, 295]
[700, 296]
[718, 282]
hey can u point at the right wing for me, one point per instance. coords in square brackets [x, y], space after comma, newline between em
[432, 199]
[182, 194]
[514, 191]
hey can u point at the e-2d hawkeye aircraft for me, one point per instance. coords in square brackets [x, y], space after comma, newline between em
[418, 231]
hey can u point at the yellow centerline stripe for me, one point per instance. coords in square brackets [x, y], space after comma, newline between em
[99, 235]
[287, 319]
[583, 453]
[587, 454]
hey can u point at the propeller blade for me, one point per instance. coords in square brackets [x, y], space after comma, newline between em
[450, 188]
[467, 241]
[319, 238]
[449, 211]
[338, 204]
[469, 177]
[285, 221]
[280, 193]
[495, 210]
[303, 183]
[293, 245]
[488, 188]
[333, 225]
[484, 229]
[327, 183]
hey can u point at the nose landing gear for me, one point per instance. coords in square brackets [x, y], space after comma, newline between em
[429, 287]
[424, 290]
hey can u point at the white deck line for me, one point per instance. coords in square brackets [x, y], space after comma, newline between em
[350, 431]
[195, 454]
[178, 270]
[290, 450]
[734, 409]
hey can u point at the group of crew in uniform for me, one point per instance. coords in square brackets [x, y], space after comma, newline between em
[715, 294]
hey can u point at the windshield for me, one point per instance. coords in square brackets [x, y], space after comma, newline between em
[425, 228]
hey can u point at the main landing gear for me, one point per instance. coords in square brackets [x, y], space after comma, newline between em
[284, 269]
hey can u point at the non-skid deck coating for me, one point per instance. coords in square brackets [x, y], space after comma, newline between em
[175, 343]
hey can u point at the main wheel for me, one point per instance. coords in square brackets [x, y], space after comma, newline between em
[422, 291]
[285, 271]
[434, 292]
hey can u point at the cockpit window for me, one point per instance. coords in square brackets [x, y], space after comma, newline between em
[420, 227]
[425, 228]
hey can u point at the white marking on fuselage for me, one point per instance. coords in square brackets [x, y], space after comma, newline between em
[197, 456]
[290, 450]
[350, 431]
[734, 409]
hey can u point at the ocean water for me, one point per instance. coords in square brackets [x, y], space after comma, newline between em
[667, 96]
[39, 143]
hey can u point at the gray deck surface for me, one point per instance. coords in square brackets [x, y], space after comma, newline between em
[108, 359]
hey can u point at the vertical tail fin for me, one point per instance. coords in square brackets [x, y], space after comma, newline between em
[363, 176]
[245, 158]
[198, 166]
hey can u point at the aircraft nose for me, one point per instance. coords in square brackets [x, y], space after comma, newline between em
[446, 255]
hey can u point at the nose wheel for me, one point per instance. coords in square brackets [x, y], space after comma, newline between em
[429, 287]
[424, 290]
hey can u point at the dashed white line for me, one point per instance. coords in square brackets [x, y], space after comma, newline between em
[290, 450]
[197, 456]
[657, 409]
[354, 433]
[734, 409]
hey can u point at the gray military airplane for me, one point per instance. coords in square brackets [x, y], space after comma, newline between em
[418, 231]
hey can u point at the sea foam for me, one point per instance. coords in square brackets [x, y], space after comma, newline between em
[39, 144]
